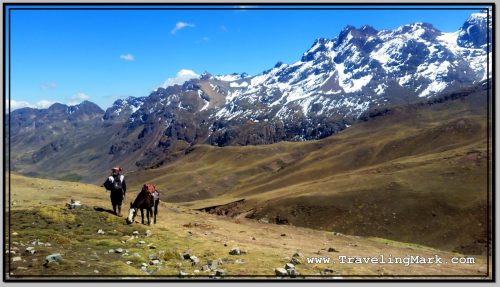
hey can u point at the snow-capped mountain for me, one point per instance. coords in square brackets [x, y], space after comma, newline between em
[335, 83]
[363, 69]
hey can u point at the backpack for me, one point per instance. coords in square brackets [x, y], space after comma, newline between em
[117, 183]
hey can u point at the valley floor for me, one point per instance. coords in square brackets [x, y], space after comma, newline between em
[39, 219]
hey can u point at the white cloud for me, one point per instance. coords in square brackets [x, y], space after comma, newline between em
[181, 77]
[48, 86]
[80, 96]
[14, 105]
[179, 26]
[43, 104]
[127, 57]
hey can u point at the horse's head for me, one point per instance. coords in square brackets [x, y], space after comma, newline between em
[132, 212]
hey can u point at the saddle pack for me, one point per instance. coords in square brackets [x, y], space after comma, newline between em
[151, 189]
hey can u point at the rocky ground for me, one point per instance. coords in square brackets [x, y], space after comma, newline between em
[48, 239]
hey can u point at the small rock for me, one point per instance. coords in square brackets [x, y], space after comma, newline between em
[196, 271]
[187, 254]
[253, 238]
[235, 251]
[111, 251]
[96, 271]
[100, 231]
[151, 246]
[292, 273]
[48, 244]
[182, 273]
[142, 242]
[30, 250]
[219, 272]
[144, 268]
[53, 258]
[331, 249]
[283, 234]
[225, 244]
[153, 257]
[82, 262]
[239, 261]
[135, 233]
[295, 261]
[14, 233]
[137, 255]
[280, 272]
[17, 258]
[243, 251]
[328, 271]
[289, 266]
[194, 260]
[148, 233]
[119, 250]
[144, 264]
[205, 268]
[129, 262]
[154, 262]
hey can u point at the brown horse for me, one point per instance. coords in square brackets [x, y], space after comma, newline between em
[148, 199]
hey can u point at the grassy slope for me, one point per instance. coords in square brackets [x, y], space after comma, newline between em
[417, 174]
[38, 213]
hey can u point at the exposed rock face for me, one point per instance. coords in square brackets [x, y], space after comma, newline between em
[336, 82]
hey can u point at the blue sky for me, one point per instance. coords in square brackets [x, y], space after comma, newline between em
[101, 55]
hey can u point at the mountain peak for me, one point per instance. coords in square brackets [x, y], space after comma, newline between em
[206, 76]
[473, 33]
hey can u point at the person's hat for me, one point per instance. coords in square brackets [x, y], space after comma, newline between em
[117, 168]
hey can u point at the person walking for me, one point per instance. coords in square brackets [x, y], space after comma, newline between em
[115, 183]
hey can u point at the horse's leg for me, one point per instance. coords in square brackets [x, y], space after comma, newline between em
[149, 213]
[142, 216]
[156, 210]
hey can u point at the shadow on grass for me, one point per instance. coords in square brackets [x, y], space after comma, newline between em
[100, 209]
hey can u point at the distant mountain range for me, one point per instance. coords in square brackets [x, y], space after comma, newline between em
[336, 83]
